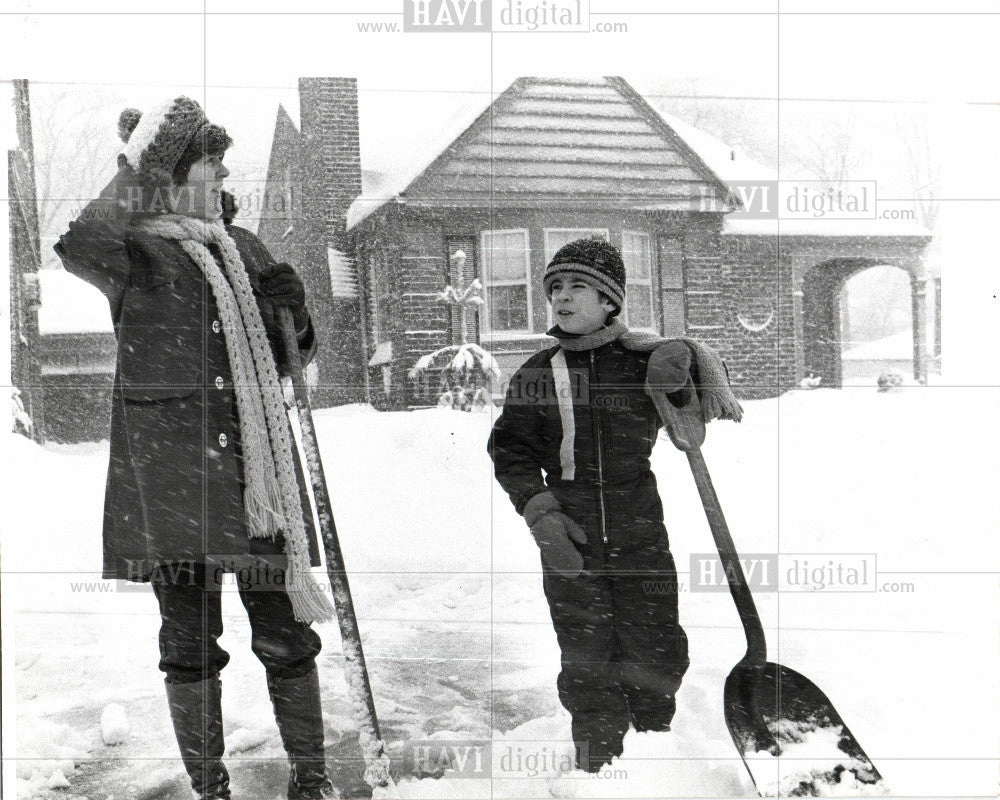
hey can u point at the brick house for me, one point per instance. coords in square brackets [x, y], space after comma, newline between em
[550, 160]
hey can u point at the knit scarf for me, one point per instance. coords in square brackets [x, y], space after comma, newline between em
[716, 396]
[271, 490]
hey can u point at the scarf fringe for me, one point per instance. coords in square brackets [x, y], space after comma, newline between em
[264, 520]
[309, 601]
[715, 406]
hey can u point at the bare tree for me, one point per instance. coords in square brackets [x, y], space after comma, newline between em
[824, 148]
[922, 170]
[748, 125]
[74, 152]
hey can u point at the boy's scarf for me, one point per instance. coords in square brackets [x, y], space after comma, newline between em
[716, 396]
[271, 494]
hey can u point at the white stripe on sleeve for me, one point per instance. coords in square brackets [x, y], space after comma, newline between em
[564, 394]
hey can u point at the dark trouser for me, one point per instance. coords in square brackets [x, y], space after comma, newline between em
[623, 652]
[191, 624]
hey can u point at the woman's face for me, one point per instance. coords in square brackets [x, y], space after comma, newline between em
[200, 196]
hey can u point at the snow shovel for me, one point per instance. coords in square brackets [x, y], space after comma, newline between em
[770, 709]
[372, 745]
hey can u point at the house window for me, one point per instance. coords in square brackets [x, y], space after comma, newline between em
[672, 285]
[638, 311]
[557, 237]
[506, 278]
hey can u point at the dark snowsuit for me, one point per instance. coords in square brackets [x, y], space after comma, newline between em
[174, 498]
[623, 650]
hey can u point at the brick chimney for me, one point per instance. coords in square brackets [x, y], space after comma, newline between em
[332, 144]
[330, 178]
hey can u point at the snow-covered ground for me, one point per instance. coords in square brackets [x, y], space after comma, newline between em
[457, 634]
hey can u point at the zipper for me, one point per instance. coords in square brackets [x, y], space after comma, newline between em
[596, 426]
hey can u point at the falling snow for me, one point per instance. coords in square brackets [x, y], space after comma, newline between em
[457, 634]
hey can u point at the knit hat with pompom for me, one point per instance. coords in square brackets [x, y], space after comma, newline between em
[174, 134]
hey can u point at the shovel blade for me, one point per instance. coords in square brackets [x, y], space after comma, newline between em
[791, 738]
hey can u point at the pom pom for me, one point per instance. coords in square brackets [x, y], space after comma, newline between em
[127, 121]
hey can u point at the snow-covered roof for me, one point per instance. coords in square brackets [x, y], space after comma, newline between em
[401, 134]
[71, 305]
[397, 145]
[728, 163]
[821, 226]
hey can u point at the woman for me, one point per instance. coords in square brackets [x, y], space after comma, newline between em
[203, 479]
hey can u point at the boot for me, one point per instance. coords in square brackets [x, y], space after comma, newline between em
[649, 712]
[598, 738]
[196, 711]
[299, 716]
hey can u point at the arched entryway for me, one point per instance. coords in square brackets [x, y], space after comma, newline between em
[825, 292]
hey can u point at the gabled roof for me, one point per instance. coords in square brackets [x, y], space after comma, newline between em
[555, 140]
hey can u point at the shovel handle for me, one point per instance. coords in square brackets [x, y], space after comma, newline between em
[686, 428]
[756, 654]
[350, 635]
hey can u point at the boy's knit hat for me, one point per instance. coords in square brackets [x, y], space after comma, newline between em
[157, 140]
[594, 260]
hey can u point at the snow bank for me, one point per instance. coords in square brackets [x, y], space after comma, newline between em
[447, 588]
[537, 760]
[899, 346]
[47, 753]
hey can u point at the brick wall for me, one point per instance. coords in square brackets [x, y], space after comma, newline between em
[329, 179]
[744, 295]
[424, 321]
[757, 315]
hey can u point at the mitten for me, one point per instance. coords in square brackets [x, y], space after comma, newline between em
[555, 534]
[669, 372]
[229, 207]
[282, 287]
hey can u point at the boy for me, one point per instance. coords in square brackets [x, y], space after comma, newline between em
[203, 477]
[580, 413]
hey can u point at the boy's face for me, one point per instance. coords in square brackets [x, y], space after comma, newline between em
[200, 196]
[577, 307]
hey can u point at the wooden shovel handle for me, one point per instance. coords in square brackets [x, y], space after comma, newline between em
[686, 429]
[349, 633]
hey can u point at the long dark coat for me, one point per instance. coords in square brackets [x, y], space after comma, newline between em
[175, 479]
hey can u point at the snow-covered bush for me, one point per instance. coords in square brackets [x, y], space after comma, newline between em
[466, 373]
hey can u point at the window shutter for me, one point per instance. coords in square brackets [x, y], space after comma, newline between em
[671, 258]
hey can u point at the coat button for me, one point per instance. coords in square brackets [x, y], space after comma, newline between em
[216, 326]
[220, 383]
[223, 440]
